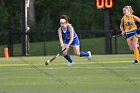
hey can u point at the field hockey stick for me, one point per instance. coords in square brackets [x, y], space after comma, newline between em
[49, 61]
[117, 35]
[137, 30]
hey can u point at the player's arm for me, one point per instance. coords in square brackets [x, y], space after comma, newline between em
[71, 34]
[60, 37]
[137, 19]
[121, 27]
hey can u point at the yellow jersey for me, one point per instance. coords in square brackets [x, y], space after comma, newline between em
[129, 23]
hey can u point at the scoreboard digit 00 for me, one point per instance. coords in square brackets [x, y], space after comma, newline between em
[101, 4]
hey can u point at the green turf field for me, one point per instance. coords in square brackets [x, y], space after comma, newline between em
[106, 74]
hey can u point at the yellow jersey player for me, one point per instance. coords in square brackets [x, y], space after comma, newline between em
[129, 29]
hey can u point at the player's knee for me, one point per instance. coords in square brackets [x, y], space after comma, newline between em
[77, 54]
[131, 47]
[134, 46]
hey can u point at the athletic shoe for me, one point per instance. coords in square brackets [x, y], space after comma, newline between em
[70, 63]
[90, 56]
[136, 62]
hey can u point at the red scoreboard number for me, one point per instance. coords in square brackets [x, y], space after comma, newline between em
[100, 4]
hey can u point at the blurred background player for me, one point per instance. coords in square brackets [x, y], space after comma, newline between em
[67, 38]
[128, 28]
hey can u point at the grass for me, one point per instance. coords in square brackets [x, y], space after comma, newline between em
[105, 74]
[96, 45]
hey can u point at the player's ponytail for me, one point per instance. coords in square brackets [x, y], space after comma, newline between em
[131, 10]
[66, 18]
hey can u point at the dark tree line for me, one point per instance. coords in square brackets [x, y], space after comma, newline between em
[46, 13]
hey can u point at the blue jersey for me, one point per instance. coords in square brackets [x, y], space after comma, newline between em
[66, 36]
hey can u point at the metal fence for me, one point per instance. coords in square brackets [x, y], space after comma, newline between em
[46, 43]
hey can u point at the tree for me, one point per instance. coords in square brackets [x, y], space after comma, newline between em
[2, 3]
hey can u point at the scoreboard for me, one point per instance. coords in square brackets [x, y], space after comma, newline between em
[107, 5]
[101, 4]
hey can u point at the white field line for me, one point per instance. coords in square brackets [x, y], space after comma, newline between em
[134, 78]
[60, 63]
[8, 78]
[3, 78]
[60, 68]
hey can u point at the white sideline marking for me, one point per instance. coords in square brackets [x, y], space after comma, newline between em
[59, 68]
[134, 78]
[87, 67]
[17, 65]
[2, 78]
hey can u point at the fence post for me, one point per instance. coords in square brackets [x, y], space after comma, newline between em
[24, 29]
[44, 44]
[10, 43]
[108, 38]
